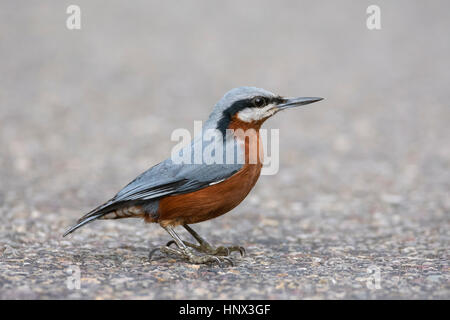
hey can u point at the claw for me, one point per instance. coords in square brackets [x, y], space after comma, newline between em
[226, 251]
[171, 242]
[229, 261]
[150, 255]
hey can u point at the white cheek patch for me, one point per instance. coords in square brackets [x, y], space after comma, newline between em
[256, 114]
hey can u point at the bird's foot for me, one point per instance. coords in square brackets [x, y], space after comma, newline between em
[188, 255]
[210, 250]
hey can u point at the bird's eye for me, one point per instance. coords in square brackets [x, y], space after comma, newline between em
[259, 102]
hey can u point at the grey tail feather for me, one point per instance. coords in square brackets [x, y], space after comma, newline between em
[94, 214]
[82, 223]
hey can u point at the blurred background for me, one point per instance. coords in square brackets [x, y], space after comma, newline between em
[365, 173]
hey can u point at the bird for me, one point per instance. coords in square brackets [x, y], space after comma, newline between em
[181, 193]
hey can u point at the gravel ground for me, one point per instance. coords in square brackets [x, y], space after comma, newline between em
[364, 178]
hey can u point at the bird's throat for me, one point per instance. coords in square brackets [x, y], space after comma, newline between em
[247, 134]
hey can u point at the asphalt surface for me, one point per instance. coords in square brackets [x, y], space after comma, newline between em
[358, 210]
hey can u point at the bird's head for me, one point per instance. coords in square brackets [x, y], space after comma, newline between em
[252, 106]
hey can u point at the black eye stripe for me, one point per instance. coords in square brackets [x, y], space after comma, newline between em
[239, 105]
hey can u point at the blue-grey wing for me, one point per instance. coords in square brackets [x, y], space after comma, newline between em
[168, 178]
[172, 177]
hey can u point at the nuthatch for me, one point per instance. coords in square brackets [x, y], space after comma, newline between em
[172, 193]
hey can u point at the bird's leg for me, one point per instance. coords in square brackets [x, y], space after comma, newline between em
[205, 247]
[184, 252]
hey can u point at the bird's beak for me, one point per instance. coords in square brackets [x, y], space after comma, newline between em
[296, 102]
